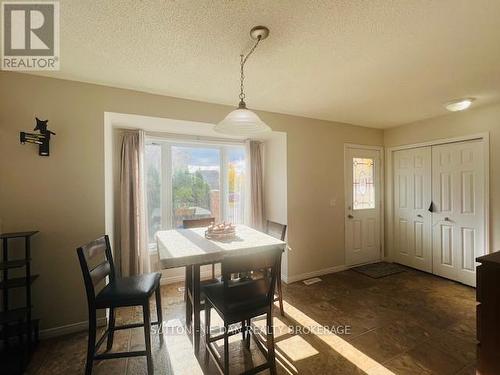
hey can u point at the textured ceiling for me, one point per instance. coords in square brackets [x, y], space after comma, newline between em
[375, 63]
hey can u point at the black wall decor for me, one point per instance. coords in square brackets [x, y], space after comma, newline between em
[42, 139]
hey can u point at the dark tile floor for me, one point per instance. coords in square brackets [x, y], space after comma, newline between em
[408, 323]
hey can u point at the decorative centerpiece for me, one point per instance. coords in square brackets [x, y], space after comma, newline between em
[221, 232]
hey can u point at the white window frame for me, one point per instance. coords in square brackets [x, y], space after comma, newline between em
[166, 145]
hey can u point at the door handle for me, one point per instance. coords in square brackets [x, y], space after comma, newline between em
[431, 207]
[350, 216]
[420, 216]
[447, 219]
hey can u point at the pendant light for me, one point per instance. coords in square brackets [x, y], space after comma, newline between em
[242, 121]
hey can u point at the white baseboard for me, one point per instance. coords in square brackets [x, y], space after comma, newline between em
[308, 275]
[70, 328]
[83, 326]
[285, 278]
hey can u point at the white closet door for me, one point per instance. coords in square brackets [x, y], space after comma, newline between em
[458, 179]
[412, 198]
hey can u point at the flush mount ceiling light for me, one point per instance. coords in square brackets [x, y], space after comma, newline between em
[459, 105]
[242, 121]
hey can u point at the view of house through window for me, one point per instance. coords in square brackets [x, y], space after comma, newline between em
[193, 181]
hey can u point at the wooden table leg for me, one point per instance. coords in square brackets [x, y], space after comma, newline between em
[196, 306]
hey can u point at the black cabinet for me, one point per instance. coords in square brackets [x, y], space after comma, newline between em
[488, 314]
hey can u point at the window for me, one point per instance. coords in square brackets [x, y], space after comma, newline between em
[235, 185]
[193, 181]
[153, 188]
[363, 174]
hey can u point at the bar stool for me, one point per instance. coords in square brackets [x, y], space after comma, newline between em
[96, 262]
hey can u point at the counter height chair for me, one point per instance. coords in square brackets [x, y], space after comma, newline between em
[96, 262]
[277, 230]
[241, 301]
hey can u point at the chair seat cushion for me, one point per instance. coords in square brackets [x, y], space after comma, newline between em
[128, 290]
[240, 296]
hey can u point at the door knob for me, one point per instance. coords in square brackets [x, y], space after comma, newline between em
[350, 216]
[420, 216]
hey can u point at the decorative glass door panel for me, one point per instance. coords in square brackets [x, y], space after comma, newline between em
[363, 188]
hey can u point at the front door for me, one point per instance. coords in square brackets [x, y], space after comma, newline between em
[362, 209]
[458, 235]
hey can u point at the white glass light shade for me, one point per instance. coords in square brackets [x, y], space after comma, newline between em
[242, 121]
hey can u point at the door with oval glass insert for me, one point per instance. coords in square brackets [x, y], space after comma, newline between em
[362, 210]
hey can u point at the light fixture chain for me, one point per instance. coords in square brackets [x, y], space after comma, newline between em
[242, 78]
[243, 60]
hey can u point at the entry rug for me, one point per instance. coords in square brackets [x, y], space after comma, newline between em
[378, 270]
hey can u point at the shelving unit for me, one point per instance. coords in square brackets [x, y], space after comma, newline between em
[19, 330]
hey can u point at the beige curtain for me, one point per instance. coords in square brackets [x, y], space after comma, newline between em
[134, 252]
[256, 186]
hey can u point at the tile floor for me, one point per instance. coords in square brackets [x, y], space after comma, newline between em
[408, 323]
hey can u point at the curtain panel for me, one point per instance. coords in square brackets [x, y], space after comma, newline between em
[256, 186]
[134, 256]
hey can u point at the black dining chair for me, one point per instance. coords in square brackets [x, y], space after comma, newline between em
[96, 262]
[240, 301]
[277, 230]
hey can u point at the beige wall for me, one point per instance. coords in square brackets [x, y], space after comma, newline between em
[63, 195]
[470, 122]
[275, 186]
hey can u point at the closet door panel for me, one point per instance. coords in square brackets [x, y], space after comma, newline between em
[412, 197]
[458, 221]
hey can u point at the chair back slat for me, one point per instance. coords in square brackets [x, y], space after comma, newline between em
[198, 223]
[94, 249]
[262, 262]
[99, 273]
[276, 230]
[96, 263]
[251, 262]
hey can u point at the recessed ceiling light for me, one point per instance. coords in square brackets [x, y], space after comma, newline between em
[459, 105]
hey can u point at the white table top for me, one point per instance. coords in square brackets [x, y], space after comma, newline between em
[183, 247]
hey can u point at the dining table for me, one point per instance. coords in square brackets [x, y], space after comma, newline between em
[191, 249]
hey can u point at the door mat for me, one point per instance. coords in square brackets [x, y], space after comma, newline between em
[378, 270]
